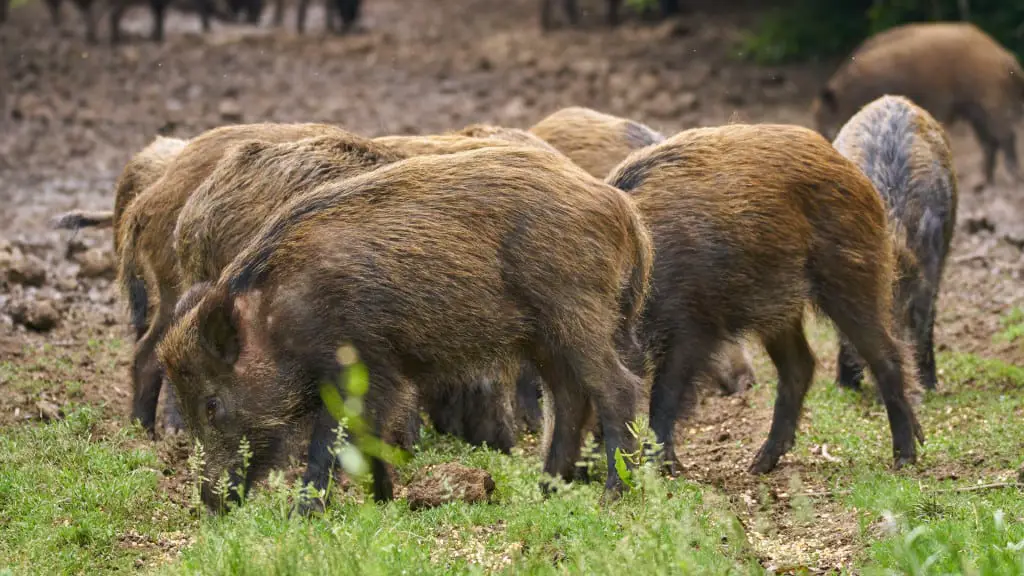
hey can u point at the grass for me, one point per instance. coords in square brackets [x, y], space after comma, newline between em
[916, 522]
[1013, 326]
[71, 500]
[76, 500]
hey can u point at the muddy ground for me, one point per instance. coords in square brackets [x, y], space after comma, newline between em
[75, 113]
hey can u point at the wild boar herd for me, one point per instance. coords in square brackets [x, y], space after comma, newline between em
[229, 11]
[588, 268]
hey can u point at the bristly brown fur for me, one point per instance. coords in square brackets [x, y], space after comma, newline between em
[436, 269]
[906, 154]
[750, 223]
[250, 183]
[595, 141]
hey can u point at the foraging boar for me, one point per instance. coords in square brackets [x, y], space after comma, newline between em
[147, 265]
[598, 142]
[906, 154]
[750, 222]
[253, 180]
[532, 258]
[951, 69]
[595, 141]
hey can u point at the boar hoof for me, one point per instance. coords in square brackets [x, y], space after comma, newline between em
[766, 460]
[672, 467]
[612, 492]
[900, 461]
[308, 507]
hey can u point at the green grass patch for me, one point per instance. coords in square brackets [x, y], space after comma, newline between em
[669, 528]
[72, 502]
[1013, 326]
[928, 520]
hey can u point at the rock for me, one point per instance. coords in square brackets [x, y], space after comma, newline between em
[38, 315]
[27, 271]
[48, 410]
[448, 482]
[67, 284]
[96, 263]
[976, 223]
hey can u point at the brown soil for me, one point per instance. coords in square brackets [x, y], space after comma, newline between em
[75, 113]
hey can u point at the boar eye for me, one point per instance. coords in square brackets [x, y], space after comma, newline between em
[214, 410]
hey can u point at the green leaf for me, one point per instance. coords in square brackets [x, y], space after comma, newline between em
[624, 472]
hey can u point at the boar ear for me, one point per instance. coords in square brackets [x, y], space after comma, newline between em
[828, 97]
[219, 332]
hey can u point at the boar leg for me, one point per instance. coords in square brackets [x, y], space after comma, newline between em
[922, 325]
[887, 358]
[613, 12]
[794, 361]
[54, 8]
[348, 12]
[321, 461]
[571, 409]
[850, 367]
[147, 376]
[545, 14]
[981, 124]
[85, 7]
[116, 12]
[300, 17]
[572, 11]
[616, 408]
[278, 12]
[159, 8]
[528, 412]
[677, 365]
[1008, 143]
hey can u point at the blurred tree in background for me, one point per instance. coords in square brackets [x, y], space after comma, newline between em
[811, 29]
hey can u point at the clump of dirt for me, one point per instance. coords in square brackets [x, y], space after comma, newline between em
[448, 482]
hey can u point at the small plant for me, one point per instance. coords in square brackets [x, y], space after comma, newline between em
[196, 464]
[631, 466]
[590, 455]
[355, 443]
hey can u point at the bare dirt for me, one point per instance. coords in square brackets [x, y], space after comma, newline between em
[71, 114]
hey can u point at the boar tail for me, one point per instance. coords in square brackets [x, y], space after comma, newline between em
[631, 303]
[76, 219]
